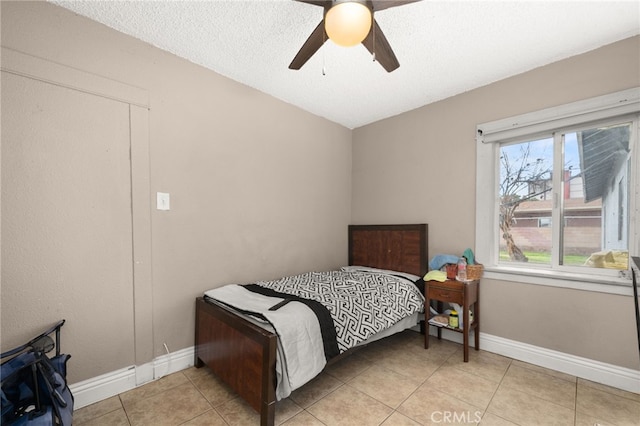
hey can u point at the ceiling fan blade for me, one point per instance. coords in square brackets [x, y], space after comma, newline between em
[321, 3]
[377, 44]
[311, 46]
[387, 4]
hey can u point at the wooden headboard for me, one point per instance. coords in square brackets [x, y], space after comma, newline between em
[402, 248]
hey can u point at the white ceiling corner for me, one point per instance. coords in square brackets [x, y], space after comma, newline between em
[444, 47]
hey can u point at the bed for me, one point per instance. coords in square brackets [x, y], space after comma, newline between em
[243, 354]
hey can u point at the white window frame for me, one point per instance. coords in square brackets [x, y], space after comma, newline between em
[489, 137]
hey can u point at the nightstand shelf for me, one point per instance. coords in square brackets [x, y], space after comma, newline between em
[465, 294]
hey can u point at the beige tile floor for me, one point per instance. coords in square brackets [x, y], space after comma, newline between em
[391, 382]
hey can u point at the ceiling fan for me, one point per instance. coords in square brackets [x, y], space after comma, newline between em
[347, 23]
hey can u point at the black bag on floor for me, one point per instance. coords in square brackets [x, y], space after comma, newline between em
[34, 387]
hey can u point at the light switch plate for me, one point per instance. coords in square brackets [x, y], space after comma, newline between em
[163, 202]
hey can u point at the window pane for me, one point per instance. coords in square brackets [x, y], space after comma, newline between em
[525, 191]
[595, 198]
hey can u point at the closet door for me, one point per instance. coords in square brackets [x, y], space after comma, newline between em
[67, 222]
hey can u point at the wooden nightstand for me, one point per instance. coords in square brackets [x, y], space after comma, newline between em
[465, 294]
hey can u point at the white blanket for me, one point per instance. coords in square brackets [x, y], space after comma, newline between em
[300, 354]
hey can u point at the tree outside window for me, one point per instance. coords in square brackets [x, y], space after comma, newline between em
[553, 212]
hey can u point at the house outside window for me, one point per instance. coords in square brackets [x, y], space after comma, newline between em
[563, 180]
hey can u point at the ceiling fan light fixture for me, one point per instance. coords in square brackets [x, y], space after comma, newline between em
[348, 23]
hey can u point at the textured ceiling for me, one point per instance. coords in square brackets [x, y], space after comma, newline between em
[444, 47]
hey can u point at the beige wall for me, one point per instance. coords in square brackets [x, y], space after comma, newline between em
[246, 204]
[420, 166]
[258, 189]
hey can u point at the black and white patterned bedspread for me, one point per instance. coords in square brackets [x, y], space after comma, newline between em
[361, 303]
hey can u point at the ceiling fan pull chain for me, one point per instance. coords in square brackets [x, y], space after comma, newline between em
[373, 30]
[324, 53]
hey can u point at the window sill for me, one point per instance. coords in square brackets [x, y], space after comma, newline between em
[560, 279]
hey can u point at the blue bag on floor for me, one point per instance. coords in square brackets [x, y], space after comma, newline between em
[34, 390]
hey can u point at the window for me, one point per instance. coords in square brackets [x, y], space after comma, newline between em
[562, 202]
[544, 222]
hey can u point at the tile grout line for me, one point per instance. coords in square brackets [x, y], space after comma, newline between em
[575, 406]
[395, 410]
[486, 410]
[125, 410]
[211, 407]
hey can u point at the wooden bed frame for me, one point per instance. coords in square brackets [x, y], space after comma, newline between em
[243, 355]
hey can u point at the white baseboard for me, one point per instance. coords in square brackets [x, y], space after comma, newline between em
[110, 384]
[102, 387]
[595, 371]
